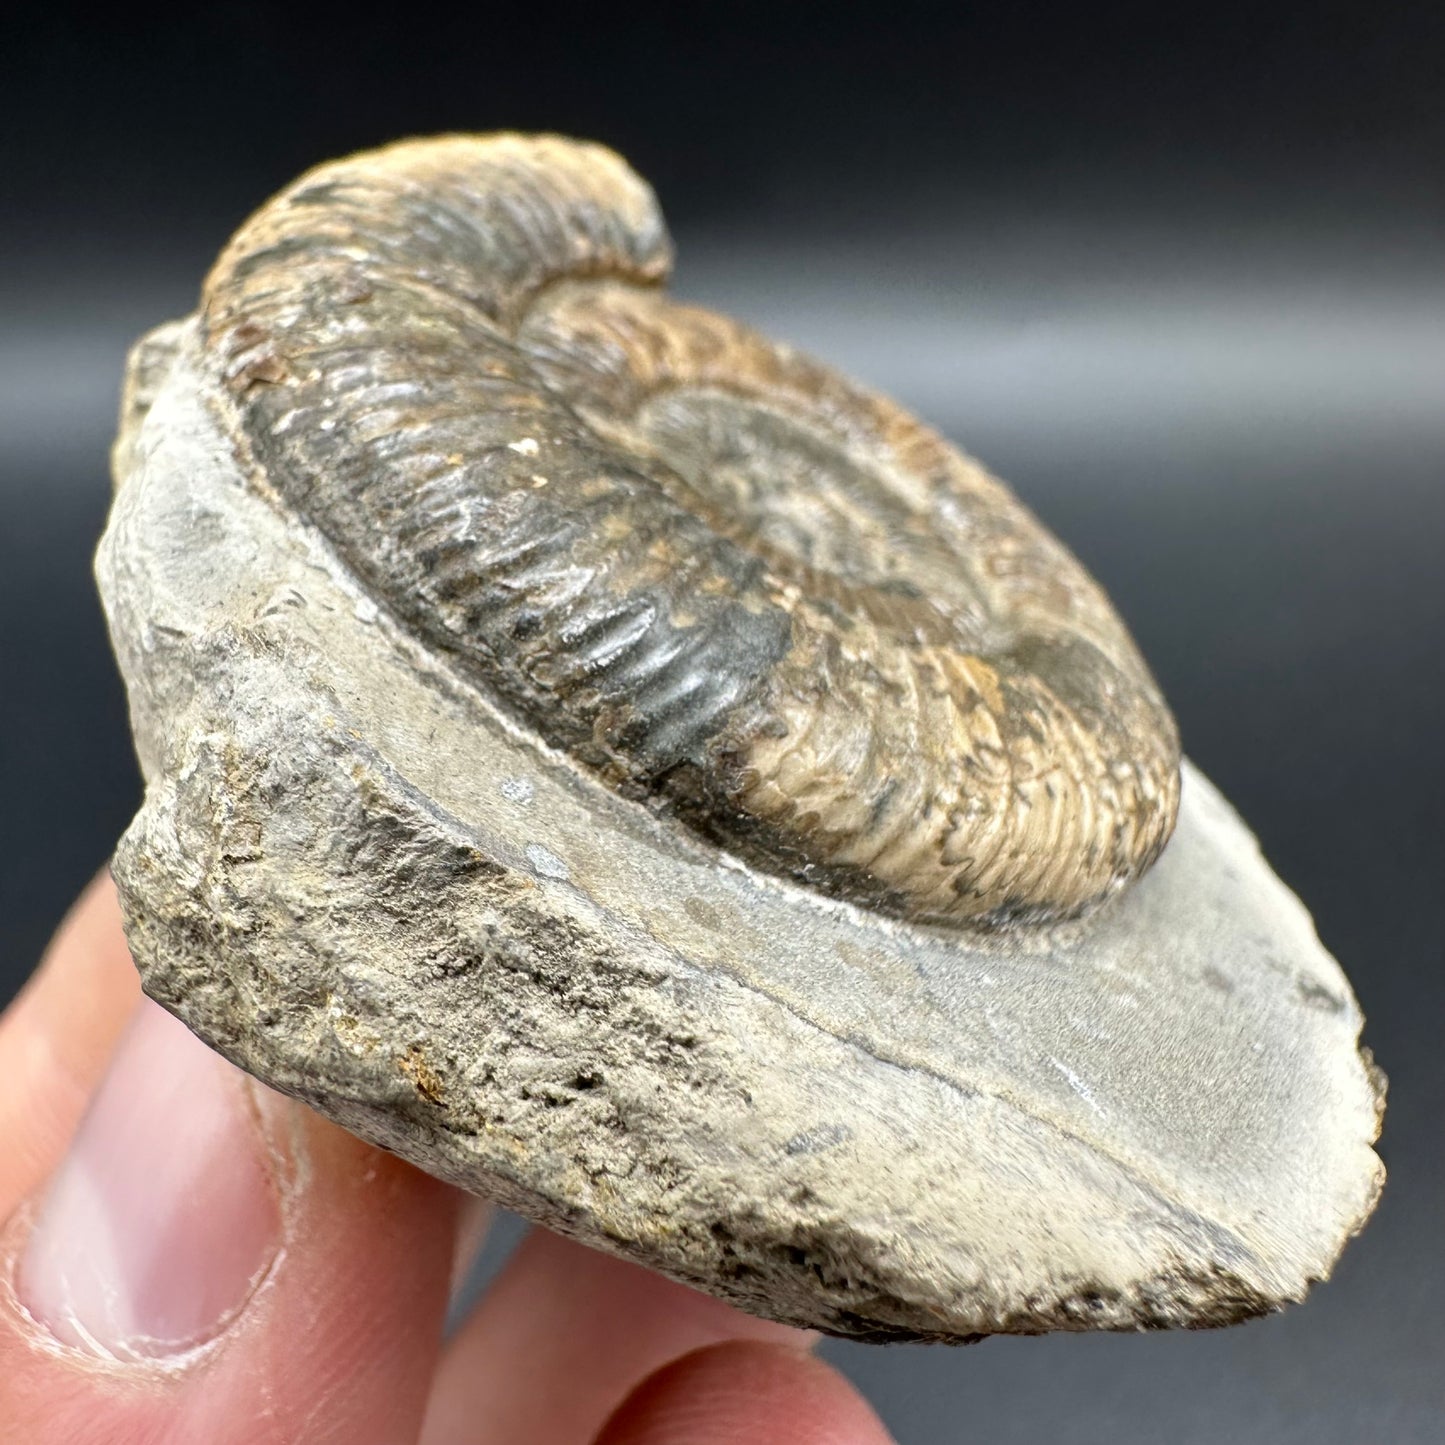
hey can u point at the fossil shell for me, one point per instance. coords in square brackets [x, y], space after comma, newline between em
[633, 772]
[708, 568]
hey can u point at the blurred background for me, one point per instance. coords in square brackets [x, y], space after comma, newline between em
[1174, 274]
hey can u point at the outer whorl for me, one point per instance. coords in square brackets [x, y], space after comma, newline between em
[738, 587]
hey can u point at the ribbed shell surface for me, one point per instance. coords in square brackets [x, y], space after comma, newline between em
[739, 588]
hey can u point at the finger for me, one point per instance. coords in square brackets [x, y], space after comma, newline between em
[745, 1393]
[56, 1038]
[560, 1339]
[208, 1261]
[474, 1220]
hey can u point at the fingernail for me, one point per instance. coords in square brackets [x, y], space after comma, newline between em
[165, 1215]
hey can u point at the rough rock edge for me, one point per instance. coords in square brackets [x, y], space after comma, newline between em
[397, 1103]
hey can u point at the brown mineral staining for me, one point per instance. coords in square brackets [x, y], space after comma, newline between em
[413, 1063]
[740, 588]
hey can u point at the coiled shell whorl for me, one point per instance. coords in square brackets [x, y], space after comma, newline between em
[737, 587]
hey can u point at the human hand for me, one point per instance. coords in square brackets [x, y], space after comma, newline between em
[192, 1259]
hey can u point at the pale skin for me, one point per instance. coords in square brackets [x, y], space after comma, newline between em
[336, 1335]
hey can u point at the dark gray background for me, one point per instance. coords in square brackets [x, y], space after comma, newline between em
[1177, 278]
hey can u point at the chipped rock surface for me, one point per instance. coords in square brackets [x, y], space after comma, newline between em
[358, 880]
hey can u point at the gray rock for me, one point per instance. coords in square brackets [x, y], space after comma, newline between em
[358, 880]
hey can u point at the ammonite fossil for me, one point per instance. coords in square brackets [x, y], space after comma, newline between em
[634, 772]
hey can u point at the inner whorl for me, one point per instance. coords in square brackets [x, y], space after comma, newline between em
[740, 589]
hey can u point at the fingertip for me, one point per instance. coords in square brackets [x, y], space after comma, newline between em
[58, 1036]
[88, 945]
[743, 1392]
[562, 1311]
[325, 1317]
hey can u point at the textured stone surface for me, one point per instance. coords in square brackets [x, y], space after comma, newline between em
[358, 880]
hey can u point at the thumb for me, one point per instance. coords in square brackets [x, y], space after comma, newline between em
[208, 1260]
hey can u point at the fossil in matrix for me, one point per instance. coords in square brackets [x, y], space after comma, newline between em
[637, 774]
